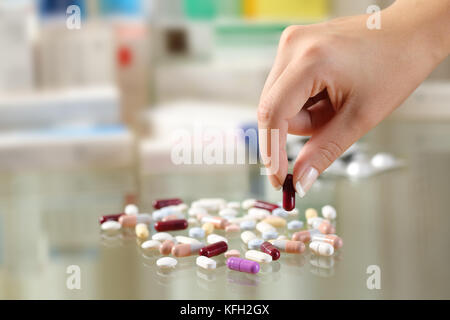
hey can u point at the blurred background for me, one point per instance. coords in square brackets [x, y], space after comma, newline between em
[86, 115]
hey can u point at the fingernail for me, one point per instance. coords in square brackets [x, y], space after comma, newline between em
[306, 181]
[278, 188]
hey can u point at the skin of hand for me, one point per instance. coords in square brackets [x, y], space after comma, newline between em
[336, 80]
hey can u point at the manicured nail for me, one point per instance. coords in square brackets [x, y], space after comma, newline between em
[306, 181]
[278, 188]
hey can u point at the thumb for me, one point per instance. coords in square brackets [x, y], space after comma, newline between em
[324, 147]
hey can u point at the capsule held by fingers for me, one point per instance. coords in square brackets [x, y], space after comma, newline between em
[288, 193]
[171, 225]
[214, 249]
[271, 250]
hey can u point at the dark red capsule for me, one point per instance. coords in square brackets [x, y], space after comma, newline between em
[288, 193]
[158, 204]
[114, 217]
[169, 225]
[265, 205]
[214, 249]
[270, 249]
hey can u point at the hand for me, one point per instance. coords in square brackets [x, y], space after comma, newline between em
[336, 80]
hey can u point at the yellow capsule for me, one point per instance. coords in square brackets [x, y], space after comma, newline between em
[142, 231]
[275, 221]
[208, 227]
[311, 213]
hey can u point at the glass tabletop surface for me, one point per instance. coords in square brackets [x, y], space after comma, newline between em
[395, 223]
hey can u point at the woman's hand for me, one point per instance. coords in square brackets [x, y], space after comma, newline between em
[336, 80]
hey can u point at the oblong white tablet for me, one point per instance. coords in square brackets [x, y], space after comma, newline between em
[258, 256]
[162, 236]
[111, 226]
[151, 245]
[213, 238]
[188, 240]
[166, 262]
[206, 263]
[246, 236]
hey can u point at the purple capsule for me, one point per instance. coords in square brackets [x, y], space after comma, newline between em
[243, 265]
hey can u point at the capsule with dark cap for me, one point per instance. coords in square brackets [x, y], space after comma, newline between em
[270, 249]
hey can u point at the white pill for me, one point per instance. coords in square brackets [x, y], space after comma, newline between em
[182, 207]
[295, 225]
[247, 225]
[258, 256]
[246, 236]
[205, 262]
[110, 225]
[131, 209]
[315, 222]
[248, 203]
[162, 236]
[328, 212]
[258, 214]
[280, 212]
[269, 235]
[282, 237]
[151, 245]
[293, 212]
[255, 244]
[234, 205]
[228, 212]
[264, 227]
[186, 240]
[383, 160]
[194, 212]
[197, 233]
[166, 262]
[213, 238]
[321, 248]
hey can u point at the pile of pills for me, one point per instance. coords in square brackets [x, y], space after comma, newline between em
[264, 228]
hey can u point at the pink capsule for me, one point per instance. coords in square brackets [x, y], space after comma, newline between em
[288, 193]
[218, 222]
[158, 204]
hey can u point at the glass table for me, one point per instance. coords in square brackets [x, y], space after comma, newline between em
[397, 221]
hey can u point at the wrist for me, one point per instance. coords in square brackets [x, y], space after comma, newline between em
[426, 23]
